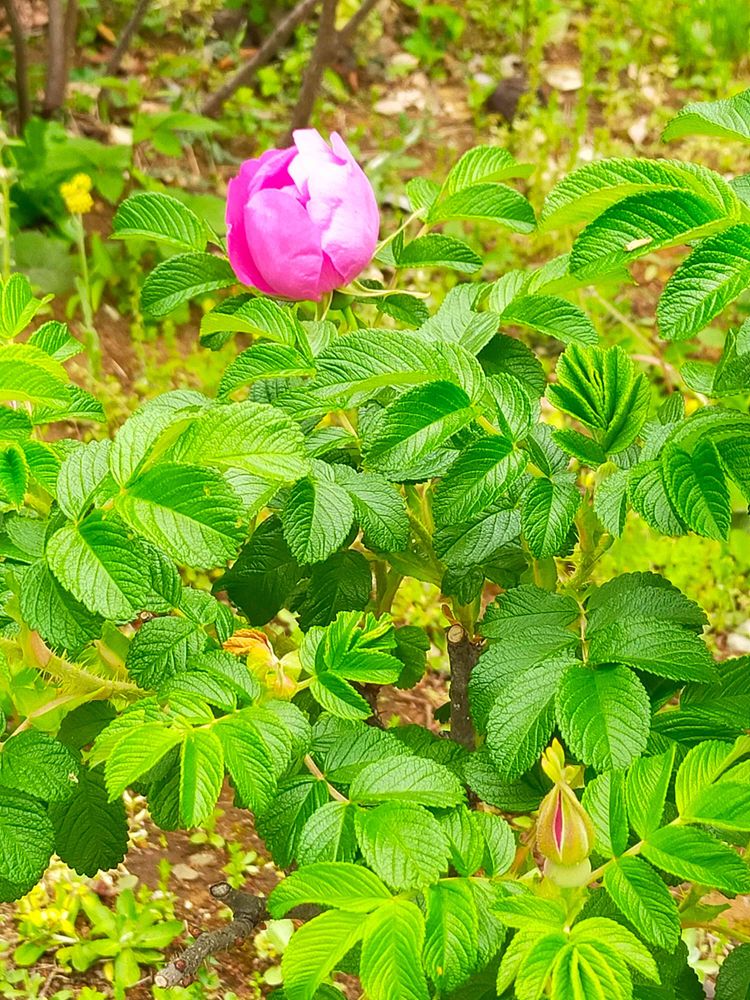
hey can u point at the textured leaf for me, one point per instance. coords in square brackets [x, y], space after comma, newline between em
[315, 950]
[549, 508]
[328, 835]
[641, 896]
[725, 805]
[554, 316]
[391, 962]
[135, 753]
[646, 791]
[733, 981]
[482, 473]
[697, 489]
[493, 202]
[39, 765]
[340, 885]
[622, 941]
[64, 623]
[416, 424]
[317, 518]
[160, 649]
[403, 843]
[342, 583]
[94, 561]
[254, 437]
[14, 473]
[604, 715]
[695, 856]
[158, 216]
[181, 278]
[450, 949]
[201, 776]
[726, 119]
[658, 647]
[604, 801]
[527, 606]
[256, 315]
[639, 595]
[81, 476]
[436, 250]
[407, 779]
[480, 165]
[55, 339]
[713, 275]
[378, 506]
[26, 843]
[91, 833]
[521, 720]
[648, 495]
[704, 765]
[262, 361]
[588, 970]
[610, 502]
[189, 512]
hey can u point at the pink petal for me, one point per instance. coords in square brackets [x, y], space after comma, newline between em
[285, 244]
[239, 252]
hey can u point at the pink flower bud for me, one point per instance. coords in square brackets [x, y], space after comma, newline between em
[301, 221]
[564, 832]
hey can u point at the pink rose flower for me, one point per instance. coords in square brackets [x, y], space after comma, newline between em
[301, 221]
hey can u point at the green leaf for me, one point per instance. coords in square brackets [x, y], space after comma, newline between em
[64, 623]
[137, 438]
[697, 488]
[733, 981]
[421, 193]
[646, 791]
[436, 250]
[29, 375]
[415, 425]
[658, 647]
[591, 970]
[611, 501]
[639, 595]
[91, 833]
[315, 950]
[622, 941]
[704, 765]
[481, 474]
[189, 512]
[648, 495]
[340, 885]
[157, 216]
[160, 649]
[695, 856]
[39, 765]
[403, 843]
[317, 517]
[263, 361]
[391, 963]
[527, 606]
[94, 561]
[725, 805]
[82, 476]
[601, 389]
[342, 583]
[494, 202]
[328, 835]
[521, 720]
[516, 411]
[265, 574]
[604, 715]
[451, 947]
[201, 776]
[14, 473]
[525, 911]
[258, 316]
[553, 316]
[248, 761]
[726, 119]
[407, 779]
[481, 165]
[26, 843]
[254, 437]
[135, 753]
[378, 506]
[713, 275]
[500, 845]
[549, 509]
[338, 696]
[17, 305]
[641, 896]
[642, 224]
[604, 801]
[181, 278]
[588, 191]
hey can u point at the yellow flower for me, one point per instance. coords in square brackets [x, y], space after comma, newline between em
[76, 194]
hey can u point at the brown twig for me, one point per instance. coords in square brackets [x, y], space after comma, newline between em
[61, 30]
[278, 37]
[128, 33]
[463, 655]
[326, 42]
[351, 27]
[248, 911]
[21, 59]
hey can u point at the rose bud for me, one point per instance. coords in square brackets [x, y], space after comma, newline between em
[301, 221]
[564, 830]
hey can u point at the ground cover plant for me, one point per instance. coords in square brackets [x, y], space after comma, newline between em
[360, 442]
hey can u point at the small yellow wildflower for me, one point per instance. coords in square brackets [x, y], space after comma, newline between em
[77, 194]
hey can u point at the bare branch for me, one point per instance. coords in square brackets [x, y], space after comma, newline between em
[278, 37]
[353, 24]
[21, 59]
[463, 655]
[326, 42]
[126, 37]
[61, 32]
